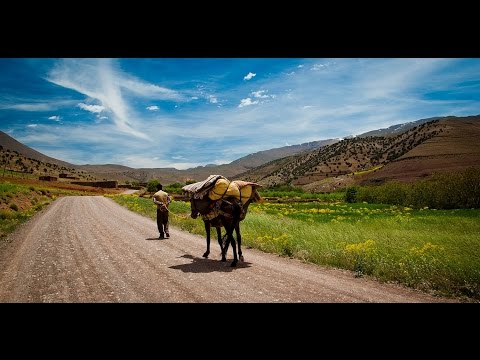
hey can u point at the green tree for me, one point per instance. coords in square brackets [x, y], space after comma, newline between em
[152, 185]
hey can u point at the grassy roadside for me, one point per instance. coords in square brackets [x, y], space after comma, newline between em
[437, 251]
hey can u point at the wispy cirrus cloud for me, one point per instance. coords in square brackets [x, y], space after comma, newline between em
[348, 97]
[36, 106]
[147, 90]
[99, 79]
[324, 98]
[54, 117]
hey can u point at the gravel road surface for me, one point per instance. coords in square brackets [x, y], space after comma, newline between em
[90, 249]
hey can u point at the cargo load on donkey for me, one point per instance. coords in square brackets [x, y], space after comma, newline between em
[222, 202]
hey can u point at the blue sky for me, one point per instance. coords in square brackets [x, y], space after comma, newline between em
[182, 113]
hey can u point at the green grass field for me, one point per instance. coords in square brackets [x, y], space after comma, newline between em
[433, 250]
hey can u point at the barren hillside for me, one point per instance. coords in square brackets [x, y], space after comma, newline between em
[448, 144]
[455, 148]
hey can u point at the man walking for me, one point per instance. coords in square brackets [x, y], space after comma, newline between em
[162, 199]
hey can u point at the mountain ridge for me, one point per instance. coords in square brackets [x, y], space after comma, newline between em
[441, 145]
[274, 166]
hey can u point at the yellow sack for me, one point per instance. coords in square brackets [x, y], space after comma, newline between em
[225, 188]
[245, 193]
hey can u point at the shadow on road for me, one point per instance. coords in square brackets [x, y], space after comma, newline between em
[202, 265]
[155, 238]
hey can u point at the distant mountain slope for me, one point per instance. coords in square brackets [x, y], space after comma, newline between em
[166, 175]
[438, 145]
[453, 149]
[262, 157]
[425, 146]
[10, 143]
[398, 128]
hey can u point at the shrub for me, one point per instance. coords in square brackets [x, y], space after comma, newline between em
[5, 214]
[152, 185]
[443, 191]
[14, 207]
[351, 195]
[174, 188]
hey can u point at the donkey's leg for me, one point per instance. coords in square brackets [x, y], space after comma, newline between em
[227, 238]
[235, 225]
[230, 239]
[220, 242]
[239, 241]
[226, 243]
[234, 248]
[207, 230]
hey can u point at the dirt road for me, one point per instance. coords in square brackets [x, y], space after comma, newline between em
[90, 249]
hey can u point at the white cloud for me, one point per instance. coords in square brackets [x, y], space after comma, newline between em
[152, 108]
[317, 67]
[260, 94]
[54, 117]
[212, 99]
[28, 107]
[45, 137]
[142, 161]
[38, 106]
[92, 108]
[247, 102]
[349, 98]
[379, 81]
[300, 66]
[145, 89]
[32, 125]
[99, 79]
[249, 76]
